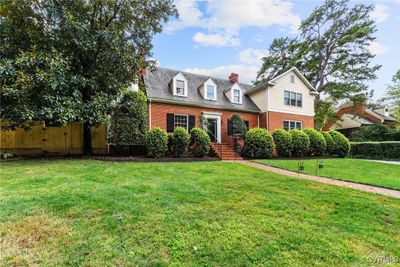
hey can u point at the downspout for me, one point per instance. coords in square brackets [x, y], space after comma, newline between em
[149, 113]
[258, 120]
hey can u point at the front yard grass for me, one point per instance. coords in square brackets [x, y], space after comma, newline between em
[92, 213]
[353, 170]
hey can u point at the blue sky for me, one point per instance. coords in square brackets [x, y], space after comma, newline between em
[218, 37]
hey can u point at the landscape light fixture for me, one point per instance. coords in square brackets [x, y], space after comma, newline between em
[319, 165]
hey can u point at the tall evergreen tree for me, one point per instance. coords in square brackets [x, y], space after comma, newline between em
[332, 50]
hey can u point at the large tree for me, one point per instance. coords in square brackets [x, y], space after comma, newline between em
[393, 95]
[77, 54]
[332, 50]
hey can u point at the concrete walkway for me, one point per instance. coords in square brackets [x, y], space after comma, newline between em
[385, 161]
[367, 188]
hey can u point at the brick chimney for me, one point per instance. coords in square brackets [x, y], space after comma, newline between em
[234, 78]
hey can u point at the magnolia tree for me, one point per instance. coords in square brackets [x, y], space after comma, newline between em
[64, 61]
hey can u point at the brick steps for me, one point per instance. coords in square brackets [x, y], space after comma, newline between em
[225, 151]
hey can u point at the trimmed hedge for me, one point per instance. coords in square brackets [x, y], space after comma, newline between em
[180, 141]
[300, 143]
[156, 143]
[283, 142]
[258, 144]
[330, 144]
[317, 142]
[376, 150]
[201, 142]
[342, 144]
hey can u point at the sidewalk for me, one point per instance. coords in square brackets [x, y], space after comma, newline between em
[367, 188]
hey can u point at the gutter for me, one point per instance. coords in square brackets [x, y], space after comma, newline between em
[149, 113]
[157, 100]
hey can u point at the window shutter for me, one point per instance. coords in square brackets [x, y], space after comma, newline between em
[170, 122]
[230, 127]
[247, 124]
[192, 122]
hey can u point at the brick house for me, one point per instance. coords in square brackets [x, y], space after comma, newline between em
[178, 98]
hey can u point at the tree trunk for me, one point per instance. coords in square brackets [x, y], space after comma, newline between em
[87, 139]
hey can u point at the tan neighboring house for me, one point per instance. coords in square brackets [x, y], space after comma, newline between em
[352, 117]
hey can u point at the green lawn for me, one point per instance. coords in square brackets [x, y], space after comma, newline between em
[354, 170]
[91, 213]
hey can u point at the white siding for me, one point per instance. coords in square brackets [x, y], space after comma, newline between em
[276, 96]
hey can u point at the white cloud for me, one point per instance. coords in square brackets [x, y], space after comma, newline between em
[377, 48]
[247, 74]
[380, 13]
[229, 17]
[216, 39]
[251, 56]
[239, 14]
[189, 16]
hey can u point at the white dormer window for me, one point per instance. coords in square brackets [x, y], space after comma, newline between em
[236, 94]
[179, 85]
[210, 90]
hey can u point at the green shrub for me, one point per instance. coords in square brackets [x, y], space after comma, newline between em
[376, 132]
[180, 141]
[283, 142]
[156, 143]
[366, 150]
[300, 143]
[238, 126]
[330, 144]
[342, 144]
[201, 141]
[317, 142]
[128, 122]
[258, 144]
[376, 150]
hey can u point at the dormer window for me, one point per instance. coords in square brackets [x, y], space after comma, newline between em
[236, 95]
[179, 85]
[210, 95]
[209, 90]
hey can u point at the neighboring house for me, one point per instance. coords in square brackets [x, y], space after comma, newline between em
[352, 117]
[178, 98]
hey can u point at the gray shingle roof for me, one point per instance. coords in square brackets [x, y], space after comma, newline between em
[157, 88]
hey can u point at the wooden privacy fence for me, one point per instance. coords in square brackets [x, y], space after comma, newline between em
[52, 140]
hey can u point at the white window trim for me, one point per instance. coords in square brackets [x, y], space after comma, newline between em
[290, 93]
[237, 87]
[180, 77]
[187, 121]
[301, 124]
[211, 83]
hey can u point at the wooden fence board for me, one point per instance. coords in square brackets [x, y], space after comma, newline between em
[52, 140]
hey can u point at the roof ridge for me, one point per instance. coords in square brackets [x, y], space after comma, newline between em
[207, 76]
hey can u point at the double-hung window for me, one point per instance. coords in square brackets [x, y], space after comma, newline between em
[288, 125]
[210, 92]
[293, 99]
[236, 95]
[181, 121]
[180, 87]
